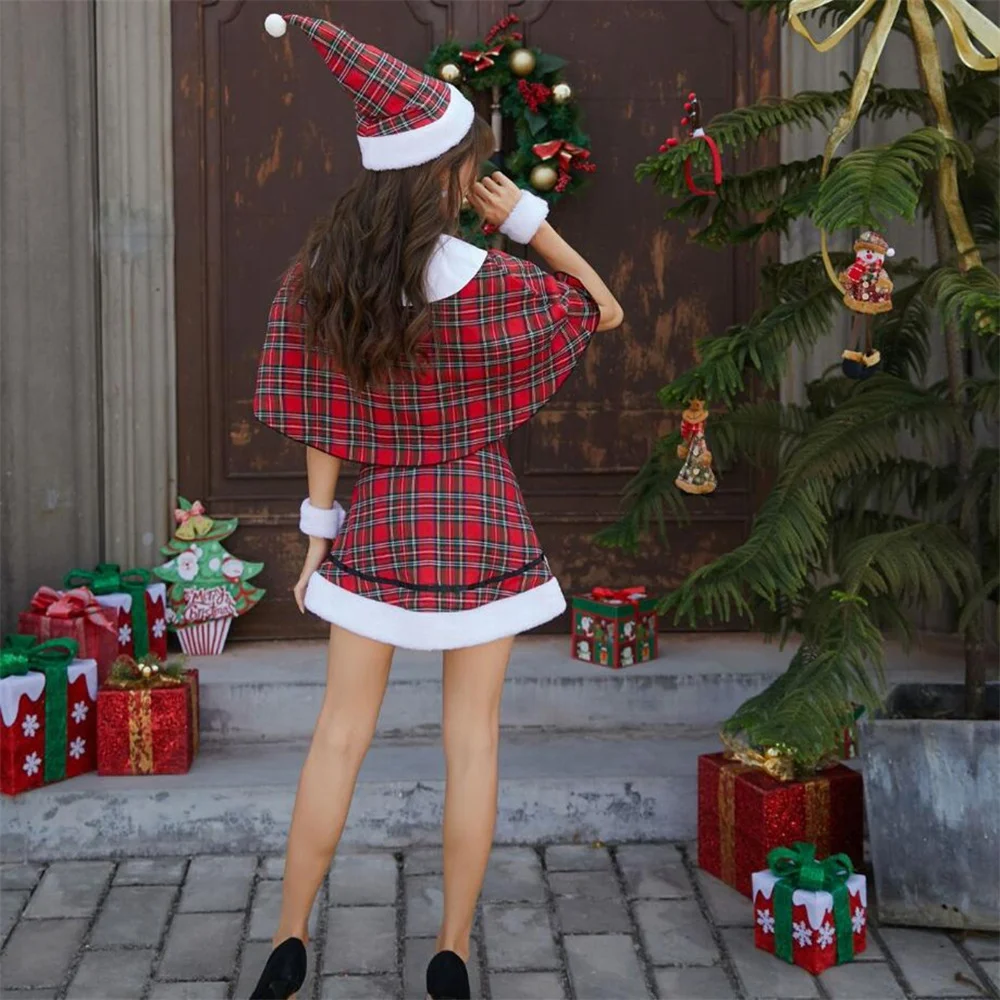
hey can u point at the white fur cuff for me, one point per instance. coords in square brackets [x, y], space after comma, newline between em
[320, 523]
[525, 218]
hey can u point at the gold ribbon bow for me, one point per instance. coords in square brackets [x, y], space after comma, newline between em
[963, 20]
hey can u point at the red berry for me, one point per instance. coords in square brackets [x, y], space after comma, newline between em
[687, 106]
[663, 147]
[684, 120]
[692, 96]
[671, 142]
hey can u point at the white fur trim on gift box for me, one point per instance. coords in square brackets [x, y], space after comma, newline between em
[158, 592]
[84, 668]
[433, 629]
[31, 684]
[525, 218]
[320, 523]
[817, 904]
[120, 602]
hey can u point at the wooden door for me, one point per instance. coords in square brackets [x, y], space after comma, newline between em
[264, 141]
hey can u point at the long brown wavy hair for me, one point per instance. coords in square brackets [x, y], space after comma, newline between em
[362, 267]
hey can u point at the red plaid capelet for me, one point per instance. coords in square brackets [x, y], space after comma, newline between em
[499, 347]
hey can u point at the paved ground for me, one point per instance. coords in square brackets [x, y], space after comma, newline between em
[563, 921]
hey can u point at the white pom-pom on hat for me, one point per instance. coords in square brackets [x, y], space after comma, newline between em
[275, 25]
[889, 252]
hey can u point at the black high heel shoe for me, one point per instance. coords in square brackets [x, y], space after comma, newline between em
[447, 978]
[284, 973]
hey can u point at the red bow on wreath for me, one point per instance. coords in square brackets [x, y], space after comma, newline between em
[481, 59]
[571, 157]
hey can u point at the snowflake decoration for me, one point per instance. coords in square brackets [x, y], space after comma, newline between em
[78, 748]
[802, 934]
[80, 710]
[124, 635]
[825, 935]
[30, 726]
[858, 920]
[159, 627]
[32, 764]
[765, 921]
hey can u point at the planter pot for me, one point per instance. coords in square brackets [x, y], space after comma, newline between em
[932, 794]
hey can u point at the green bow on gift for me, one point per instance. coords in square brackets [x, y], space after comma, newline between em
[108, 578]
[23, 653]
[798, 868]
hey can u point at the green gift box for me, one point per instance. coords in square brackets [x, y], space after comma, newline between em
[614, 628]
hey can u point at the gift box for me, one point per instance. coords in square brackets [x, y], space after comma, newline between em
[140, 602]
[74, 614]
[148, 725]
[744, 812]
[810, 913]
[48, 713]
[614, 628]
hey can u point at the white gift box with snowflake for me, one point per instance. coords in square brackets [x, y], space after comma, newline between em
[811, 933]
[25, 726]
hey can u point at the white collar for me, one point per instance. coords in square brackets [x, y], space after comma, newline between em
[452, 266]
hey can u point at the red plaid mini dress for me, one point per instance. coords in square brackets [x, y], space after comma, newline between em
[438, 550]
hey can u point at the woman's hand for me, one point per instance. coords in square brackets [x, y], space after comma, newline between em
[319, 548]
[494, 198]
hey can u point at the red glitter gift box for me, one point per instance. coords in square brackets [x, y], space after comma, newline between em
[743, 813]
[148, 727]
[48, 714]
[614, 628]
[74, 614]
[815, 929]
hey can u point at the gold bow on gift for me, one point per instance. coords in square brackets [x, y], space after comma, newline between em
[963, 20]
[775, 761]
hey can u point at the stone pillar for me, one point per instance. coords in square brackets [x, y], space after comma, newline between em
[50, 367]
[135, 219]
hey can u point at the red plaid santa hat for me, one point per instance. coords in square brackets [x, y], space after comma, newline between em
[404, 117]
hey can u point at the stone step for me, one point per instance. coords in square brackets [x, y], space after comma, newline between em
[586, 786]
[273, 691]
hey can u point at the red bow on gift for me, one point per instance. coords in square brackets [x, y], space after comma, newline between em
[631, 595]
[77, 603]
[481, 59]
[571, 157]
[197, 509]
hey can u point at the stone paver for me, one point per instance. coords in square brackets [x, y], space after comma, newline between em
[191, 991]
[424, 903]
[17, 876]
[514, 875]
[605, 967]
[273, 866]
[117, 975]
[417, 952]
[252, 965]
[11, 904]
[982, 945]
[423, 861]
[133, 915]
[654, 871]
[929, 960]
[39, 952]
[201, 946]
[862, 981]
[709, 983]
[27, 994]
[363, 880]
[519, 937]
[151, 871]
[69, 889]
[266, 912]
[359, 988]
[589, 903]
[360, 939]
[217, 884]
[728, 907]
[577, 858]
[675, 932]
[526, 986]
[764, 976]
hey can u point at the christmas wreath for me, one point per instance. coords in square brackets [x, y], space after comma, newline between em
[552, 154]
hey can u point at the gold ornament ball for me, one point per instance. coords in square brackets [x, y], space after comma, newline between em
[543, 177]
[561, 93]
[522, 62]
[450, 73]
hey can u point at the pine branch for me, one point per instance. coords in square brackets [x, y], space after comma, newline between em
[903, 335]
[968, 299]
[763, 432]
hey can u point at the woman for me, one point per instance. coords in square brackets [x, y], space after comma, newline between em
[394, 345]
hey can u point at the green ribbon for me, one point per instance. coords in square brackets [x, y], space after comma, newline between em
[22, 653]
[108, 578]
[798, 868]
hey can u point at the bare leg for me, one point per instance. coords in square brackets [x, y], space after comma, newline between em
[473, 686]
[357, 672]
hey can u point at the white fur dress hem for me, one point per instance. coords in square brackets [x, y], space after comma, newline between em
[431, 630]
